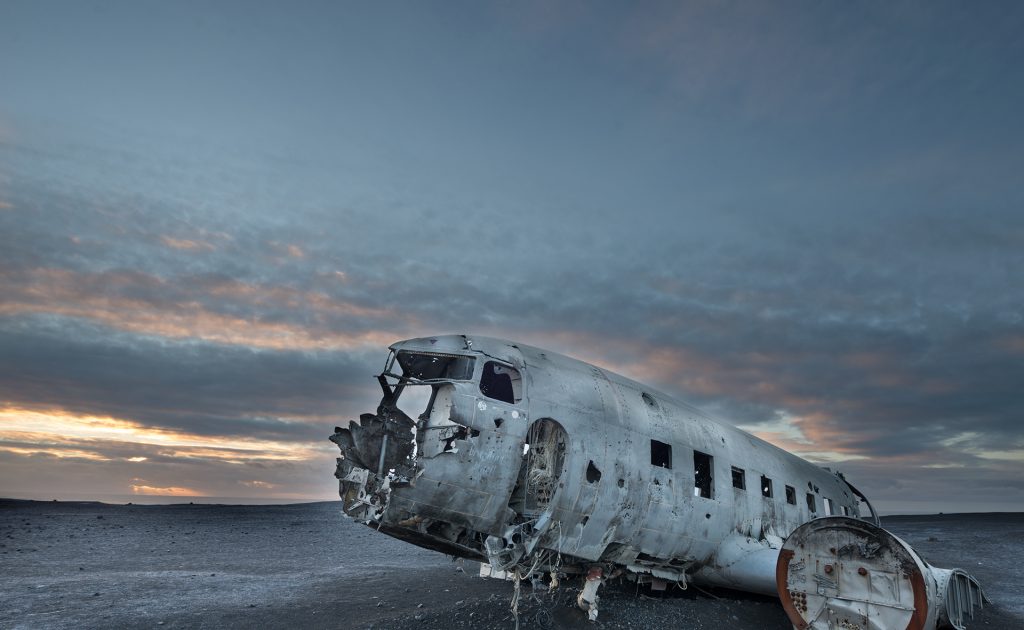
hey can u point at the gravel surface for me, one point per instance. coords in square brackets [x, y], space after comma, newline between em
[209, 566]
[988, 546]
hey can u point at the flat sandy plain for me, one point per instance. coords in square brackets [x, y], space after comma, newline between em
[93, 565]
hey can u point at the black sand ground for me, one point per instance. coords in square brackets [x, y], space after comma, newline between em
[90, 565]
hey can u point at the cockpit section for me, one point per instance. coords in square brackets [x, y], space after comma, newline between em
[427, 393]
[442, 453]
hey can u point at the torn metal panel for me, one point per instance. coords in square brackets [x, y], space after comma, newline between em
[536, 463]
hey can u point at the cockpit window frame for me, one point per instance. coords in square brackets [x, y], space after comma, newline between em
[468, 373]
[517, 386]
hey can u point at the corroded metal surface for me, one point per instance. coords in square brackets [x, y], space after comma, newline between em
[539, 464]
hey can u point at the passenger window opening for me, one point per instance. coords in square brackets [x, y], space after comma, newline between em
[739, 478]
[828, 506]
[501, 382]
[661, 454]
[791, 495]
[811, 505]
[703, 475]
[846, 511]
[766, 487]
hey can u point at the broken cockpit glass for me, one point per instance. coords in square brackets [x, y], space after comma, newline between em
[424, 366]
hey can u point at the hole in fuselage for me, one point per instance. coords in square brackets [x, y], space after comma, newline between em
[593, 474]
[546, 446]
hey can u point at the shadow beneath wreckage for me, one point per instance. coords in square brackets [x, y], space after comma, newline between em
[623, 604]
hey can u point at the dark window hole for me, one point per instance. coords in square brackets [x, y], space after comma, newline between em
[739, 478]
[661, 454]
[703, 475]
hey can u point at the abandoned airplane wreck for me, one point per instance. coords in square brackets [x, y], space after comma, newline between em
[543, 466]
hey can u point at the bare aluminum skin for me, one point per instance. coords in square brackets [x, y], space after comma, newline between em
[567, 468]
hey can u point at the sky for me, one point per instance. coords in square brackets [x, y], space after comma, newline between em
[805, 218]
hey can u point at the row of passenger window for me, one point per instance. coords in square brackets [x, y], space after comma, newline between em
[704, 477]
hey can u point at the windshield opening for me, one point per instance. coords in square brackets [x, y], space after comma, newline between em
[433, 366]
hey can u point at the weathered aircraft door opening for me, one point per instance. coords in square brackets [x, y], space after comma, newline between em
[545, 459]
[464, 456]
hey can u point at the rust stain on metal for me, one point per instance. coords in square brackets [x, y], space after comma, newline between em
[920, 617]
[794, 603]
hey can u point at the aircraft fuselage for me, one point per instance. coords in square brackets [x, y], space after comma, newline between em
[520, 450]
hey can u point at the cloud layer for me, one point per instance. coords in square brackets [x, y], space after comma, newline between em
[804, 221]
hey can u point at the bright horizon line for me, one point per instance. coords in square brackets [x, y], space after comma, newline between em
[158, 500]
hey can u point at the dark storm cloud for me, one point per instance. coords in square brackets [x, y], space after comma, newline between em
[885, 338]
[196, 388]
[796, 311]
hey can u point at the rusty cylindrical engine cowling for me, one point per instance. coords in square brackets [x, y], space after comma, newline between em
[842, 572]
